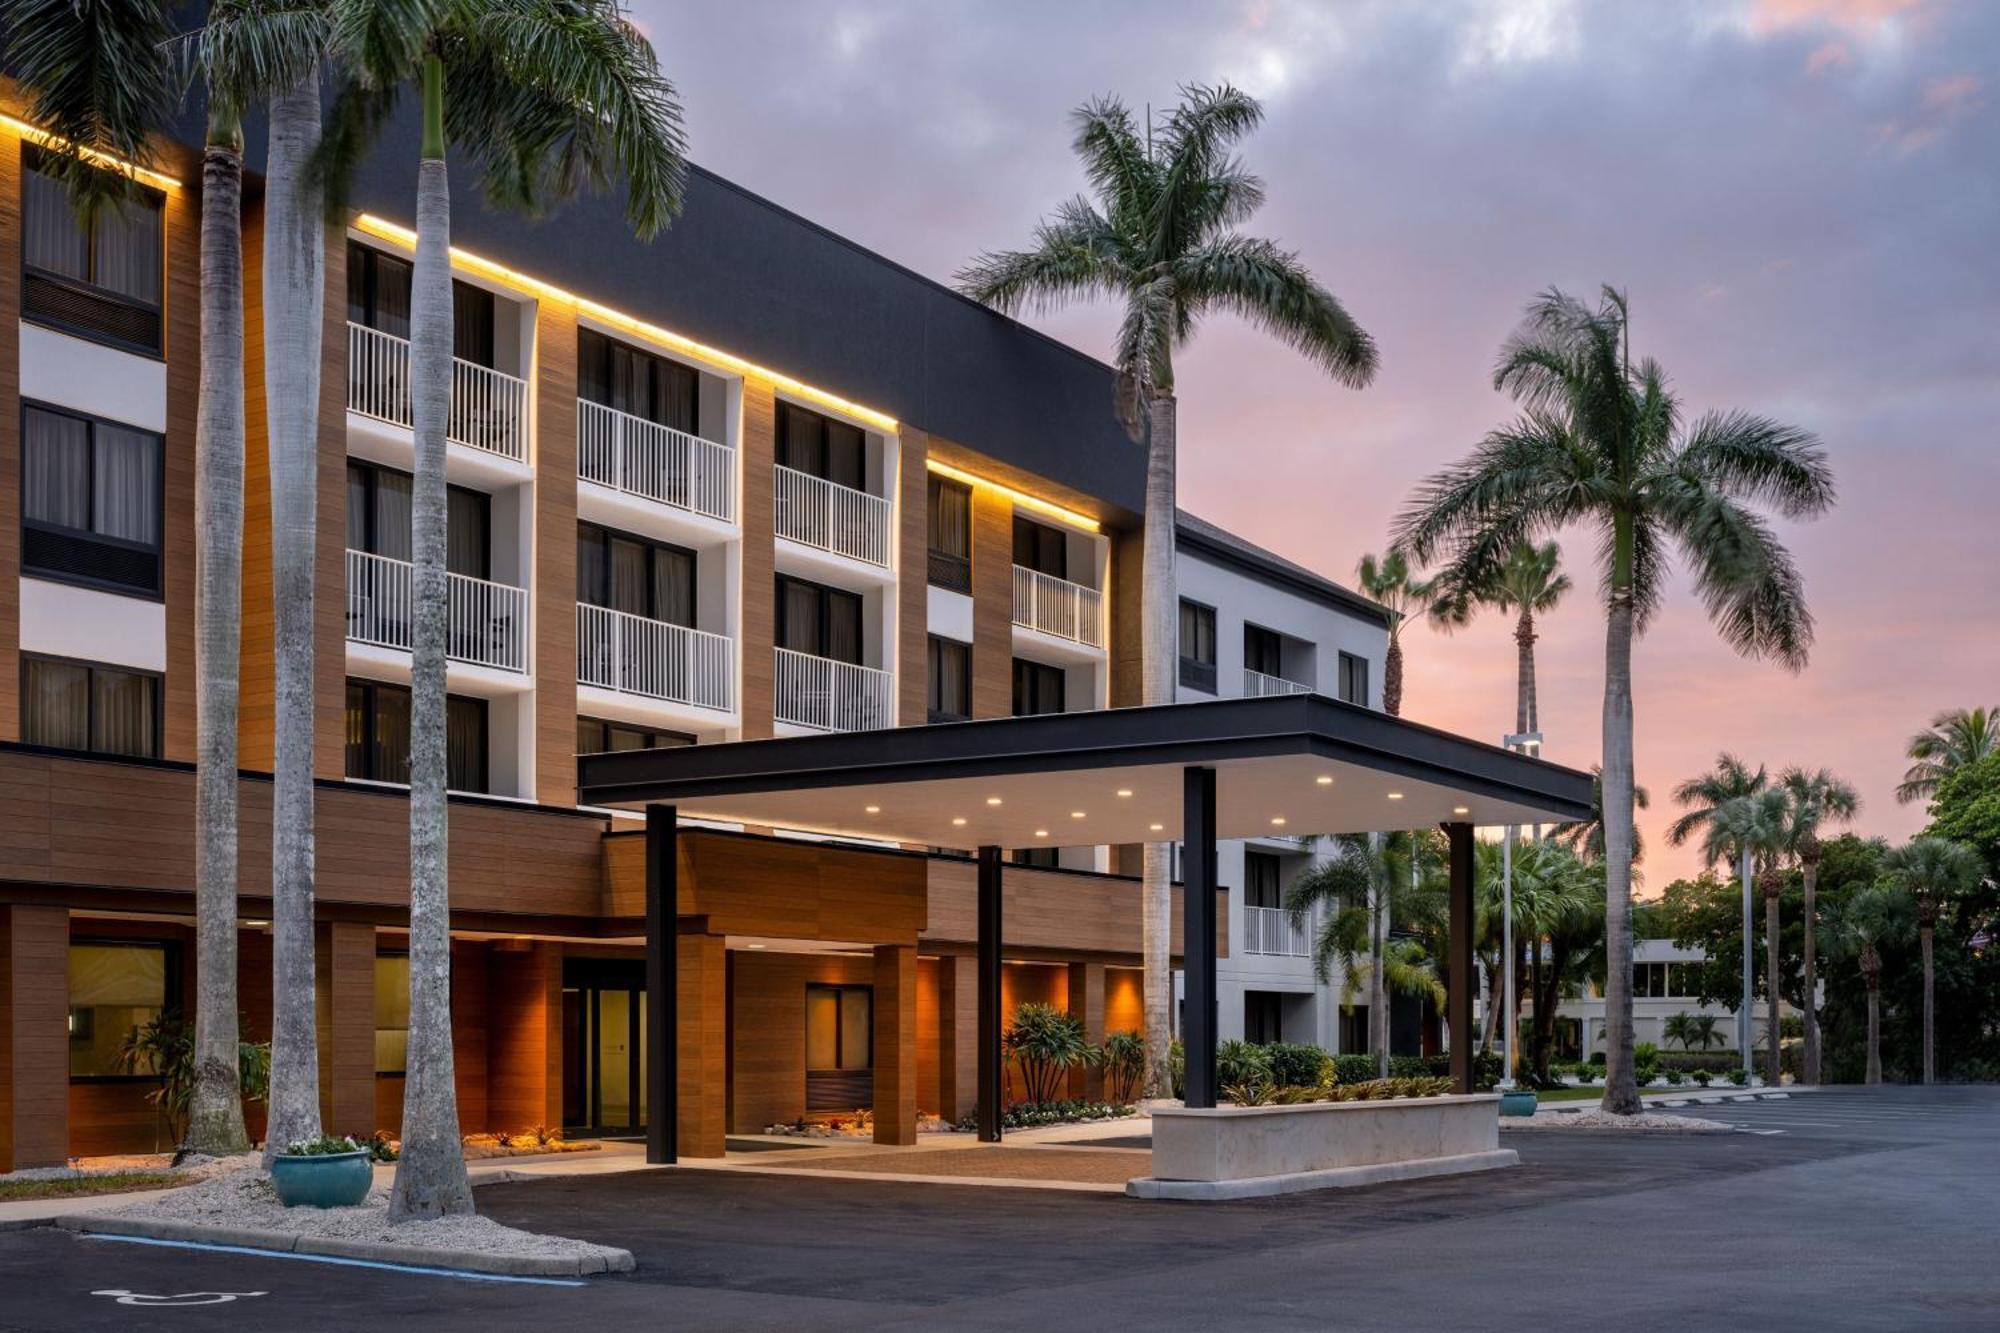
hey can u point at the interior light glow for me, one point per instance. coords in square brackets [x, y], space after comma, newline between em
[1395, 796]
[1021, 498]
[993, 800]
[383, 229]
[1461, 809]
[1124, 791]
[1324, 780]
[1156, 827]
[1076, 814]
[873, 809]
[958, 821]
[37, 135]
[753, 946]
[1041, 833]
[1278, 821]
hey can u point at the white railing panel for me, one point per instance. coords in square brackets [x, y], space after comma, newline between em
[488, 407]
[1256, 684]
[1056, 606]
[487, 623]
[824, 514]
[827, 695]
[1269, 931]
[655, 462]
[635, 655]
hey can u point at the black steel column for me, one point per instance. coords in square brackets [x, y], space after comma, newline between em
[988, 967]
[1198, 934]
[662, 984]
[1460, 971]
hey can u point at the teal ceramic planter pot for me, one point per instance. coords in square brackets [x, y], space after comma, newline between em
[1519, 1101]
[331, 1180]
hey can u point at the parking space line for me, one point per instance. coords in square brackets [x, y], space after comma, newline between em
[412, 1269]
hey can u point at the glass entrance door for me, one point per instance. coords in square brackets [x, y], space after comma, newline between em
[604, 1047]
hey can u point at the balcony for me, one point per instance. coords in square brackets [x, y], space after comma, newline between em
[655, 462]
[487, 622]
[830, 517]
[1058, 607]
[654, 660]
[1269, 931]
[1256, 685]
[489, 408]
[826, 695]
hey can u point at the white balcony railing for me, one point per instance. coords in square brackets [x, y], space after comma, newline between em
[655, 462]
[1269, 930]
[487, 622]
[652, 658]
[1057, 606]
[1256, 684]
[831, 696]
[824, 514]
[489, 408]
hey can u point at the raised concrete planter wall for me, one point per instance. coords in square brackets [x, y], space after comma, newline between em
[1239, 1151]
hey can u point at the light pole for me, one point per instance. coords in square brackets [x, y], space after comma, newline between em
[1745, 1023]
[1521, 742]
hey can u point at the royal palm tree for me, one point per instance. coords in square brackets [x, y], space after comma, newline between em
[1161, 239]
[1702, 796]
[1601, 442]
[1818, 799]
[1530, 582]
[544, 97]
[1753, 829]
[1871, 917]
[1933, 871]
[1955, 737]
[1585, 837]
[1388, 580]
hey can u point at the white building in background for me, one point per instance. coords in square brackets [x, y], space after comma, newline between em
[1254, 623]
[1662, 986]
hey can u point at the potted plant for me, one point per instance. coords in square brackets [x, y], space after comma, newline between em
[331, 1171]
[1518, 1100]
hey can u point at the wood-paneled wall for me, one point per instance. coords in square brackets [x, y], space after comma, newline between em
[10, 437]
[913, 585]
[767, 1031]
[34, 1052]
[1053, 910]
[702, 1083]
[895, 982]
[524, 1035]
[992, 603]
[177, 530]
[344, 970]
[758, 620]
[555, 553]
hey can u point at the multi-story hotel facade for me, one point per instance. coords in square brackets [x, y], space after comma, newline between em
[748, 480]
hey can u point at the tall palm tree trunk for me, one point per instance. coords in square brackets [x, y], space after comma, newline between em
[1874, 983]
[1158, 629]
[1809, 1061]
[295, 302]
[215, 1112]
[1746, 1009]
[1774, 1067]
[1378, 960]
[430, 1175]
[1621, 1088]
[1525, 719]
[1392, 676]
[1925, 937]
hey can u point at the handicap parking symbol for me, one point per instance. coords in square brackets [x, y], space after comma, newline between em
[124, 1297]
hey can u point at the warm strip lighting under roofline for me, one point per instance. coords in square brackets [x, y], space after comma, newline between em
[383, 229]
[35, 134]
[1021, 498]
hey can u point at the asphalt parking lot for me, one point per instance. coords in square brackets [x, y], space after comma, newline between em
[1875, 1208]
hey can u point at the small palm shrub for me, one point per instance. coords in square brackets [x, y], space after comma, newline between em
[1239, 1062]
[1124, 1065]
[1047, 1042]
[1645, 1062]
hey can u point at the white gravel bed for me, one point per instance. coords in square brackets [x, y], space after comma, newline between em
[1651, 1122]
[242, 1199]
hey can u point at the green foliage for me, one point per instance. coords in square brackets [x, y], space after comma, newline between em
[1691, 1030]
[1027, 1115]
[1239, 1062]
[1966, 808]
[1353, 1067]
[1740, 1076]
[1177, 1066]
[326, 1145]
[1124, 1065]
[164, 1047]
[1956, 738]
[1645, 1062]
[382, 1146]
[1047, 1043]
[1702, 1077]
[1297, 1064]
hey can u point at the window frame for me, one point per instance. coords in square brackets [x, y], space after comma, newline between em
[1268, 643]
[1346, 665]
[156, 593]
[1036, 533]
[1276, 866]
[1194, 672]
[932, 644]
[840, 991]
[378, 1029]
[371, 689]
[611, 534]
[787, 410]
[154, 351]
[174, 990]
[1039, 670]
[158, 680]
[950, 570]
[826, 593]
[373, 471]
[659, 372]
[653, 735]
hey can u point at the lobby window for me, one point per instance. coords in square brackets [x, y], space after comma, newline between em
[840, 1028]
[817, 620]
[1045, 858]
[1263, 651]
[1039, 547]
[820, 446]
[1261, 880]
[392, 1012]
[89, 707]
[1038, 688]
[950, 534]
[99, 280]
[634, 575]
[91, 501]
[1354, 679]
[1197, 646]
[378, 519]
[598, 736]
[378, 736]
[1263, 1017]
[115, 988]
[378, 297]
[950, 680]
[652, 388]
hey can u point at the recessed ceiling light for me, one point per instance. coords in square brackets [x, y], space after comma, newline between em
[1278, 820]
[874, 809]
[1124, 791]
[1324, 779]
[993, 800]
[1461, 809]
[753, 946]
[1156, 827]
[1395, 796]
[1041, 833]
[958, 821]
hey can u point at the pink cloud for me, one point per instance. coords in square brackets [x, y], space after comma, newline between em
[1946, 102]
[1829, 56]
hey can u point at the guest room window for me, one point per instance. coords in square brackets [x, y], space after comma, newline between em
[99, 280]
[91, 501]
[89, 707]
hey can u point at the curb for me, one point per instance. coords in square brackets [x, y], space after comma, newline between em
[406, 1256]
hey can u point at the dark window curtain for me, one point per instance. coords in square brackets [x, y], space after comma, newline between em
[467, 517]
[1260, 880]
[472, 324]
[673, 586]
[126, 484]
[1040, 547]
[798, 617]
[593, 367]
[950, 679]
[55, 469]
[951, 517]
[1198, 633]
[843, 627]
[124, 713]
[55, 704]
[629, 569]
[680, 393]
[389, 751]
[631, 385]
[465, 743]
[1263, 651]
[391, 530]
[378, 290]
[126, 242]
[359, 505]
[801, 439]
[846, 455]
[1038, 688]
[356, 730]
[592, 568]
[590, 736]
[53, 239]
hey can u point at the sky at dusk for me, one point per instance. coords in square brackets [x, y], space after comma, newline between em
[1802, 198]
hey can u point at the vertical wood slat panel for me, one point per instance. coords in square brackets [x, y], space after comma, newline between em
[330, 555]
[34, 1050]
[257, 658]
[895, 1044]
[758, 620]
[10, 437]
[702, 1089]
[177, 531]
[992, 603]
[346, 969]
[524, 1037]
[555, 553]
[913, 586]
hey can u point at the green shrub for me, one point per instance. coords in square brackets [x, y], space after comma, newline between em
[324, 1146]
[1238, 1062]
[1675, 1078]
[1702, 1077]
[1124, 1065]
[1048, 1043]
[1353, 1067]
[1715, 1062]
[1296, 1064]
[1027, 1115]
[1740, 1076]
[1177, 1066]
[1645, 1062]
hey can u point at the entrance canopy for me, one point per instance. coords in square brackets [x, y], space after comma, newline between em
[1291, 764]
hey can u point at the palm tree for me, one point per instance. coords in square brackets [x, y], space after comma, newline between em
[1818, 798]
[545, 96]
[1932, 871]
[1753, 829]
[1530, 582]
[1955, 737]
[1585, 837]
[1161, 238]
[1552, 893]
[1387, 580]
[1704, 795]
[1872, 916]
[1601, 442]
[1692, 1030]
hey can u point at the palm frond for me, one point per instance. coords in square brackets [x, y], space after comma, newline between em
[1193, 152]
[1521, 480]
[1747, 579]
[1115, 161]
[1750, 457]
[1076, 253]
[248, 51]
[1270, 288]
